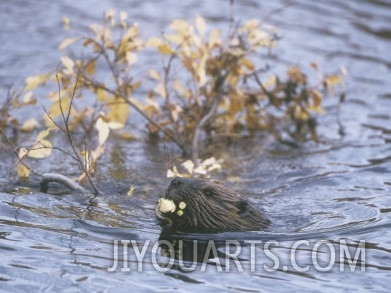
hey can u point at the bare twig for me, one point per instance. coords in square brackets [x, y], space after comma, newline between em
[53, 121]
[45, 177]
[67, 131]
[167, 69]
[200, 125]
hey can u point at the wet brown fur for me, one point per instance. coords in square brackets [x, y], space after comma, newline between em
[210, 207]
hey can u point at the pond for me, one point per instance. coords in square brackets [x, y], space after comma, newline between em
[332, 197]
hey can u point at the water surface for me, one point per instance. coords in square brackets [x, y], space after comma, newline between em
[337, 189]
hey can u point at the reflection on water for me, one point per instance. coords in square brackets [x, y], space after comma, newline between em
[338, 189]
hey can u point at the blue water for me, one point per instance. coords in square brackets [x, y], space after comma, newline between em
[337, 189]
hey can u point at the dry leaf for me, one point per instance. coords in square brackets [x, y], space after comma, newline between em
[131, 58]
[154, 42]
[119, 112]
[33, 81]
[200, 25]
[68, 65]
[103, 130]
[214, 38]
[22, 153]
[154, 74]
[91, 67]
[180, 25]
[23, 171]
[66, 22]
[165, 49]
[43, 134]
[65, 43]
[102, 95]
[131, 191]
[41, 149]
[189, 166]
[123, 16]
[28, 99]
[29, 125]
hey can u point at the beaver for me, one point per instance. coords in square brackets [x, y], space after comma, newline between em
[198, 205]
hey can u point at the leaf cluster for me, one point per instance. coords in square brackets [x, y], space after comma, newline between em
[212, 84]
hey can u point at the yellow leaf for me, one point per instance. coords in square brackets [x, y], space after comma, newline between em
[154, 74]
[154, 42]
[102, 95]
[200, 170]
[317, 97]
[314, 66]
[248, 64]
[29, 125]
[22, 153]
[135, 85]
[334, 80]
[165, 49]
[55, 109]
[189, 166]
[68, 64]
[130, 191]
[97, 153]
[91, 67]
[66, 22]
[110, 13]
[43, 134]
[180, 25]
[200, 25]
[270, 82]
[119, 111]
[103, 130]
[33, 81]
[131, 32]
[131, 58]
[317, 102]
[115, 125]
[65, 43]
[160, 90]
[28, 99]
[210, 161]
[123, 17]
[173, 173]
[251, 24]
[300, 114]
[23, 171]
[88, 42]
[175, 110]
[110, 16]
[41, 149]
[214, 38]
[126, 135]
[136, 103]
[174, 38]
[296, 76]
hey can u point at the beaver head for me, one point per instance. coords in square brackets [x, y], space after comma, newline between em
[197, 205]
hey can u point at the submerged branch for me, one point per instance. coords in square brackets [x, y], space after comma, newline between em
[59, 178]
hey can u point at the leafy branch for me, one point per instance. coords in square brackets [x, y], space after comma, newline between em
[211, 85]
